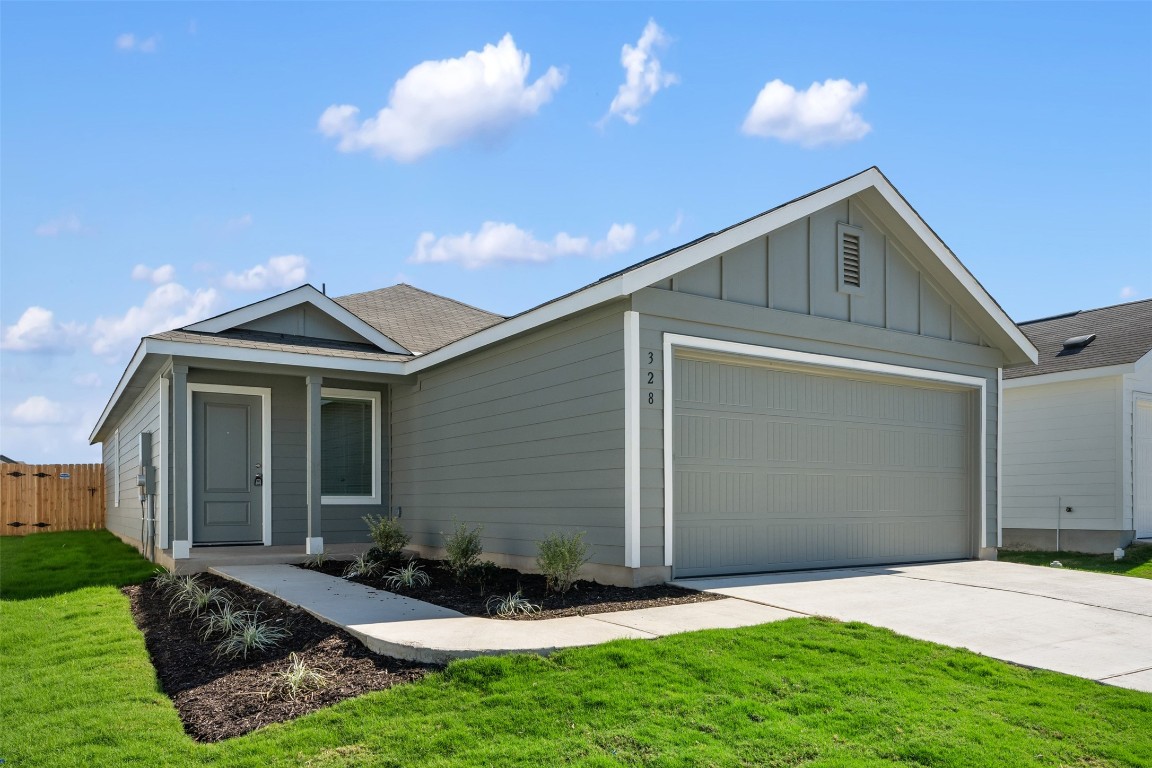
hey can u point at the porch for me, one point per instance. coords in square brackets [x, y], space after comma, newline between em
[202, 558]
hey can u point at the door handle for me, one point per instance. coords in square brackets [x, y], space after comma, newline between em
[258, 480]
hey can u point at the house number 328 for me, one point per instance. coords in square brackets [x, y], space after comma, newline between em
[651, 378]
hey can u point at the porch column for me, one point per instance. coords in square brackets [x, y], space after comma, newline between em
[314, 544]
[181, 536]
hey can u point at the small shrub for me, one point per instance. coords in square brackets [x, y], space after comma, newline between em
[514, 604]
[483, 574]
[364, 567]
[298, 679]
[165, 580]
[410, 576]
[252, 636]
[387, 534]
[200, 600]
[462, 550]
[560, 558]
[316, 561]
[182, 591]
[225, 620]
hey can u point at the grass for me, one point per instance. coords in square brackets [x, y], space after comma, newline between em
[78, 690]
[1137, 561]
[43, 564]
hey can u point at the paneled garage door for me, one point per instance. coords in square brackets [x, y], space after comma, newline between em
[781, 468]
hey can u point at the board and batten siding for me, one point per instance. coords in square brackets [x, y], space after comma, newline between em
[525, 439]
[340, 523]
[122, 466]
[782, 291]
[1062, 449]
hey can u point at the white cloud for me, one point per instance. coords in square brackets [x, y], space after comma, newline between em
[278, 272]
[39, 411]
[67, 224]
[129, 42]
[500, 242]
[90, 380]
[441, 103]
[239, 224]
[157, 276]
[652, 236]
[644, 76]
[674, 227]
[168, 306]
[38, 331]
[1129, 292]
[823, 114]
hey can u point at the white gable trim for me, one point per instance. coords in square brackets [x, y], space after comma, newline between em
[305, 294]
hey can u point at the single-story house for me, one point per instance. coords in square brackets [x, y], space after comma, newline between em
[1077, 465]
[815, 386]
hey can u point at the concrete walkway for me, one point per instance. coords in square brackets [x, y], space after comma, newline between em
[1091, 625]
[410, 629]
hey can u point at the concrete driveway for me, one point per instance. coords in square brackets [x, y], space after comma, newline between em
[1086, 624]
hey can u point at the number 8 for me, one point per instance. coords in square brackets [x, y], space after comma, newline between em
[651, 398]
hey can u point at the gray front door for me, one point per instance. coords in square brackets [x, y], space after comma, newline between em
[226, 470]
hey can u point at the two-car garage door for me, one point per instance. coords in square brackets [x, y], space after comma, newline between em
[782, 468]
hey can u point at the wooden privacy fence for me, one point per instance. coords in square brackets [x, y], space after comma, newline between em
[50, 497]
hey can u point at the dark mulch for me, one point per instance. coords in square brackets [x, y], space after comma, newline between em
[219, 698]
[583, 599]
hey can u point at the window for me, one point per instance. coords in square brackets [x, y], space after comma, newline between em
[349, 446]
[850, 277]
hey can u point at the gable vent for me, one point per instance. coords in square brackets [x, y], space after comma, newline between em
[851, 277]
[851, 246]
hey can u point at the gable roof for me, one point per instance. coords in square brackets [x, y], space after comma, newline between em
[1123, 336]
[305, 294]
[419, 320]
[415, 329]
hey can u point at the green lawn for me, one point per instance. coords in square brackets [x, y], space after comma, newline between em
[76, 689]
[1137, 561]
[42, 564]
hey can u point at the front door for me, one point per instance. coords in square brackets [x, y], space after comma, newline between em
[227, 476]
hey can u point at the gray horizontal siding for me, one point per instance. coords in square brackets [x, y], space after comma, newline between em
[524, 439]
[124, 518]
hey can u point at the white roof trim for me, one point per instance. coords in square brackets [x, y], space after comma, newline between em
[1060, 377]
[166, 348]
[629, 282]
[619, 287]
[305, 294]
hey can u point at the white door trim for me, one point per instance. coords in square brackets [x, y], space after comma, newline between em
[631, 439]
[265, 395]
[674, 341]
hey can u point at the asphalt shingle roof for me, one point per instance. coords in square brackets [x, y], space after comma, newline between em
[416, 319]
[1123, 335]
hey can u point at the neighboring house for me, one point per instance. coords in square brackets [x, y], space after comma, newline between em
[1078, 432]
[815, 386]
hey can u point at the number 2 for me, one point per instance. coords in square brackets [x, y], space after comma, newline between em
[651, 377]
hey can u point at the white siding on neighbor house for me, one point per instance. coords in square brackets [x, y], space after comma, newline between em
[1137, 472]
[143, 416]
[1062, 448]
[525, 439]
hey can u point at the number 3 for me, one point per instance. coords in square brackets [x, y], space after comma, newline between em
[651, 358]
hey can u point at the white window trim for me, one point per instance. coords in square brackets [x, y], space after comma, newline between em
[374, 398]
[265, 395]
[673, 341]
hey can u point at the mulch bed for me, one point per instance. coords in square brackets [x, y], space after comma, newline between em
[583, 599]
[219, 698]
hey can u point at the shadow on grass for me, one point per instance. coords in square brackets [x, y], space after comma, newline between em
[44, 564]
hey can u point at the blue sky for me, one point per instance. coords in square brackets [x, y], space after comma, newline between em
[166, 161]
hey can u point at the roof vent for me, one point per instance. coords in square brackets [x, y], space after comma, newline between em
[1079, 342]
